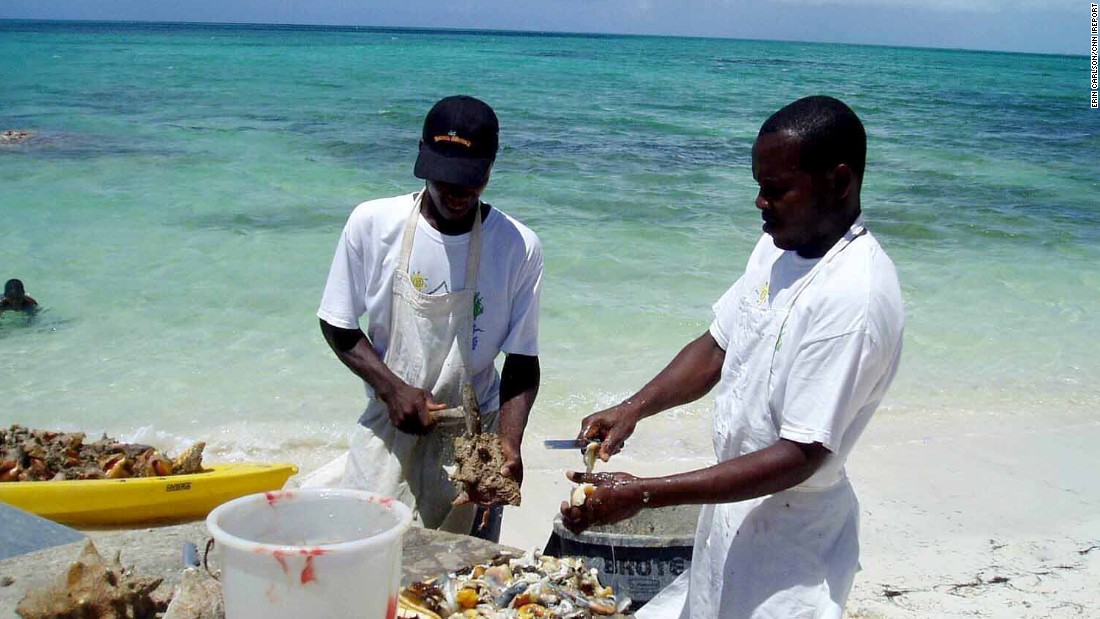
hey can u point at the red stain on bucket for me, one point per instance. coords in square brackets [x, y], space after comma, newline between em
[275, 497]
[391, 608]
[308, 574]
[280, 556]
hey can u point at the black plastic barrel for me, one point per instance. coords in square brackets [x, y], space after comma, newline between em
[636, 557]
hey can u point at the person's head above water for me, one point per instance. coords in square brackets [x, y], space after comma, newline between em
[809, 159]
[15, 297]
[13, 289]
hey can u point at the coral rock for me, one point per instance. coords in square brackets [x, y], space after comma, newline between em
[198, 596]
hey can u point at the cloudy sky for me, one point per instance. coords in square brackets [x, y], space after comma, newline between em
[1050, 26]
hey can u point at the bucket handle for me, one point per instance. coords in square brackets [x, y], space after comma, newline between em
[206, 558]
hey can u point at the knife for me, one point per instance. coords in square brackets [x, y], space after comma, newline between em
[565, 443]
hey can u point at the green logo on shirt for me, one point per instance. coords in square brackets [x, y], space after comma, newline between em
[479, 307]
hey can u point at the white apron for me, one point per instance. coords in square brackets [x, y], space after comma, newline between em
[792, 554]
[430, 348]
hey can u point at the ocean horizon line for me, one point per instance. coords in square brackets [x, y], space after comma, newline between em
[321, 27]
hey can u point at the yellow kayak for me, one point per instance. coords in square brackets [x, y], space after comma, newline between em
[144, 500]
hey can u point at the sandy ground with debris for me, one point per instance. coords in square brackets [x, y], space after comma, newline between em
[979, 516]
[967, 515]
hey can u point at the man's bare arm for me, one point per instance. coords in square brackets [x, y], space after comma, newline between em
[519, 386]
[619, 495]
[410, 409]
[689, 376]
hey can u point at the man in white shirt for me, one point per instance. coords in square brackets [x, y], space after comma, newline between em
[446, 283]
[802, 349]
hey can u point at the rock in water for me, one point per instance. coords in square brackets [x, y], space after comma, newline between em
[199, 596]
[478, 460]
[92, 587]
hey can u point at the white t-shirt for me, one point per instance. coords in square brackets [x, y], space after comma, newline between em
[506, 305]
[840, 345]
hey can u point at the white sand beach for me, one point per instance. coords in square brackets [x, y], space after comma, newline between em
[967, 515]
[979, 516]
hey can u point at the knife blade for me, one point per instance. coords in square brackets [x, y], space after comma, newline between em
[565, 443]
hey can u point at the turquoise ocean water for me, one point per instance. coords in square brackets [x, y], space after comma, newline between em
[176, 210]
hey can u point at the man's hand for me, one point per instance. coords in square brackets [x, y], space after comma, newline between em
[618, 496]
[411, 409]
[611, 427]
[513, 461]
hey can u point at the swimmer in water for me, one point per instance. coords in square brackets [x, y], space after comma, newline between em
[16, 299]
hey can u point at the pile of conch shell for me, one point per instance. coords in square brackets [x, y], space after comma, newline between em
[43, 455]
[509, 588]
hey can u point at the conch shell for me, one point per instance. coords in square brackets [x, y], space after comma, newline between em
[92, 587]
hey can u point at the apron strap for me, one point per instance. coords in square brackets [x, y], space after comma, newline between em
[409, 233]
[473, 259]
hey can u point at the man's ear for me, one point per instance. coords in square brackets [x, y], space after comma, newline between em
[844, 181]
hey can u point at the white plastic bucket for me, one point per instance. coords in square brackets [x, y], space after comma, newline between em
[294, 554]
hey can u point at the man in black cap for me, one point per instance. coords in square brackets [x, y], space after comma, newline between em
[447, 283]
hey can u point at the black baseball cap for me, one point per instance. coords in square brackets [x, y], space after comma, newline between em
[459, 143]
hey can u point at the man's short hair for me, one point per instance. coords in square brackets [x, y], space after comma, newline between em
[828, 132]
[13, 288]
